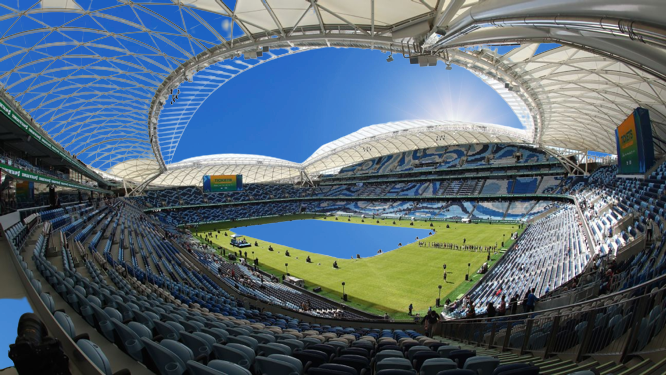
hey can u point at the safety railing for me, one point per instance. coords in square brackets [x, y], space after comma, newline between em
[617, 326]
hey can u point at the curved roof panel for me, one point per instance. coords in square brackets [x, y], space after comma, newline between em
[93, 73]
[135, 170]
[368, 142]
[585, 96]
[254, 168]
[394, 137]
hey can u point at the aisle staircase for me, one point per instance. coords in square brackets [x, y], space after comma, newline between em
[558, 366]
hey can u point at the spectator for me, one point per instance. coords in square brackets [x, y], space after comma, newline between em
[471, 312]
[501, 310]
[514, 304]
[650, 229]
[430, 320]
[531, 301]
[491, 310]
[411, 307]
[527, 294]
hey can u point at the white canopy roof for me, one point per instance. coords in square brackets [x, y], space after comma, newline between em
[135, 170]
[368, 142]
[97, 74]
[583, 96]
[394, 137]
[254, 168]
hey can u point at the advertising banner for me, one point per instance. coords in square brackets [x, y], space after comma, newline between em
[627, 146]
[25, 191]
[635, 148]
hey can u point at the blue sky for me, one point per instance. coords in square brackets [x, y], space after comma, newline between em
[10, 312]
[289, 107]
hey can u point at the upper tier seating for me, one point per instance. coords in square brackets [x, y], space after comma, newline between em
[523, 185]
[191, 195]
[490, 210]
[496, 187]
[518, 209]
[468, 183]
[548, 185]
[27, 166]
[439, 158]
[478, 155]
[218, 214]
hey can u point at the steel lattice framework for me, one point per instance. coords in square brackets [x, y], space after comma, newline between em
[87, 70]
[178, 113]
[585, 96]
[99, 75]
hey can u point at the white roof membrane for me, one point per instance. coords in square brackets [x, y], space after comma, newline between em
[96, 74]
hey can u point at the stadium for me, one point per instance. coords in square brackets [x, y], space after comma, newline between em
[398, 247]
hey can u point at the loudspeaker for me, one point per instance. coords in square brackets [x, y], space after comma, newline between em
[427, 60]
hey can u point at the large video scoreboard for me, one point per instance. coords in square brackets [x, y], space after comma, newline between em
[220, 183]
[635, 151]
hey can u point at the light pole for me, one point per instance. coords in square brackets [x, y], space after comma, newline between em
[286, 266]
[439, 298]
[468, 266]
[344, 296]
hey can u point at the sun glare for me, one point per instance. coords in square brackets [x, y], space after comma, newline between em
[459, 95]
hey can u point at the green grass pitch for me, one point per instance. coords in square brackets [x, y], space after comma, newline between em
[385, 283]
